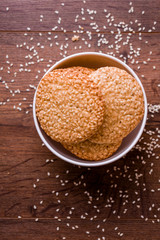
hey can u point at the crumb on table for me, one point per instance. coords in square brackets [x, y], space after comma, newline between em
[75, 38]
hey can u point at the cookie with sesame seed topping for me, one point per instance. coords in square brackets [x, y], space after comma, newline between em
[92, 151]
[124, 106]
[69, 105]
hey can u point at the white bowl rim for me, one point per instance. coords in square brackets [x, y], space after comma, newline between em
[102, 162]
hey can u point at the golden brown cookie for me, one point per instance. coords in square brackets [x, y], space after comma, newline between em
[92, 151]
[124, 107]
[69, 105]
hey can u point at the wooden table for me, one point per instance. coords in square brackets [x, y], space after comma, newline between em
[41, 196]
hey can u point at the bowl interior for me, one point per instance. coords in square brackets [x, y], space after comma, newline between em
[93, 61]
[89, 60]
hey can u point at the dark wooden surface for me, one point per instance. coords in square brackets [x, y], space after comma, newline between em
[120, 200]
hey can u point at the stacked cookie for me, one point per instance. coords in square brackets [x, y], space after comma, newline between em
[89, 111]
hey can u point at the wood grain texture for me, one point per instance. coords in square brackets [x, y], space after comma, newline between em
[46, 229]
[9, 41]
[54, 199]
[28, 14]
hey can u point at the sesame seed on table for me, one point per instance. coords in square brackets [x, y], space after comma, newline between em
[41, 196]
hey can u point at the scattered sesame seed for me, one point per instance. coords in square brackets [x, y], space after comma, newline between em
[148, 147]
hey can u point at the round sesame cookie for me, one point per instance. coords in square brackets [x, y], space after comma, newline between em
[69, 105]
[92, 151]
[124, 107]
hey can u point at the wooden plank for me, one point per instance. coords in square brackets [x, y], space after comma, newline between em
[27, 14]
[23, 161]
[31, 74]
[23, 229]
